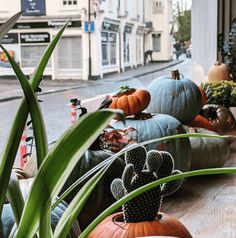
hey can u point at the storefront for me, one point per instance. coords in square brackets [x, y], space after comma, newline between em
[110, 47]
[28, 40]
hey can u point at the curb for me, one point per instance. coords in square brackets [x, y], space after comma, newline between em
[99, 82]
[150, 72]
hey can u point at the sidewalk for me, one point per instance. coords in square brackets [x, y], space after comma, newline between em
[10, 89]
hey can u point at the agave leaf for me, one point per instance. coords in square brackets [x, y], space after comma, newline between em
[7, 26]
[58, 165]
[35, 111]
[14, 137]
[15, 197]
[149, 186]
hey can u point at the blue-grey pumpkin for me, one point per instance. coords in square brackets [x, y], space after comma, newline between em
[178, 97]
[208, 152]
[7, 221]
[158, 126]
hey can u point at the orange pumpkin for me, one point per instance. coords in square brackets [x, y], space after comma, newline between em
[130, 100]
[218, 71]
[114, 227]
[201, 121]
[203, 95]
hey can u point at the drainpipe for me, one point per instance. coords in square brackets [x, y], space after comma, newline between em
[89, 45]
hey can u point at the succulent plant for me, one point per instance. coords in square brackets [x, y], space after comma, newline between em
[143, 167]
[222, 93]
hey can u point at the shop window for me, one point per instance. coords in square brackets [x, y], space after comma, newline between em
[126, 52]
[139, 50]
[31, 54]
[108, 48]
[156, 42]
[68, 54]
[105, 60]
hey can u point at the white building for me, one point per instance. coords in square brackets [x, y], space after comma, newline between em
[160, 15]
[103, 36]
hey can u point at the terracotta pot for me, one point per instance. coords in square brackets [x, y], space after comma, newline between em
[114, 227]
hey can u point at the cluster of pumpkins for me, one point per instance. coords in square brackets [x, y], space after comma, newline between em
[171, 105]
[177, 105]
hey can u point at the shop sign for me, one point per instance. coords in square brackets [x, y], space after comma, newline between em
[10, 38]
[112, 38]
[110, 26]
[45, 24]
[104, 36]
[128, 29]
[39, 37]
[33, 7]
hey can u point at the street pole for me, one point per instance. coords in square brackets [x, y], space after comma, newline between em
[89, 45]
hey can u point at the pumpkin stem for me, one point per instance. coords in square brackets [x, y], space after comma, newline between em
[217, 63]
[175, 74]
[125, 88]
[142, 116]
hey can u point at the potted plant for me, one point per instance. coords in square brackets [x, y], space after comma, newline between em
[141, 216]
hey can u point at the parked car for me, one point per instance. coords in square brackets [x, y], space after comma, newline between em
[188, 52]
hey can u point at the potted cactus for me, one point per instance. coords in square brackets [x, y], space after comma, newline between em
[141, 216]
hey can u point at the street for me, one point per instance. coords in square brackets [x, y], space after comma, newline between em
[56, 108]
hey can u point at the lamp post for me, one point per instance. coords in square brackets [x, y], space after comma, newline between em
[89, 45]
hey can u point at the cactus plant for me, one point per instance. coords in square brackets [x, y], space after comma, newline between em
[143, 167]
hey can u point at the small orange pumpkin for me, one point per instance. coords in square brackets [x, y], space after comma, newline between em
[113, 226]
[130, 100]
[203, 95]
[201, 121]
[218, 71]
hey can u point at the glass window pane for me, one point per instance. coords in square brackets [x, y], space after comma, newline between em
[113, 54]
[104, 54]
[156, 41]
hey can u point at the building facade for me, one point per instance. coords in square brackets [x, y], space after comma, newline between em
[209, 19]
[103, 36]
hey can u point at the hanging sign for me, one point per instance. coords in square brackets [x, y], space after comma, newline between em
[33, 7]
